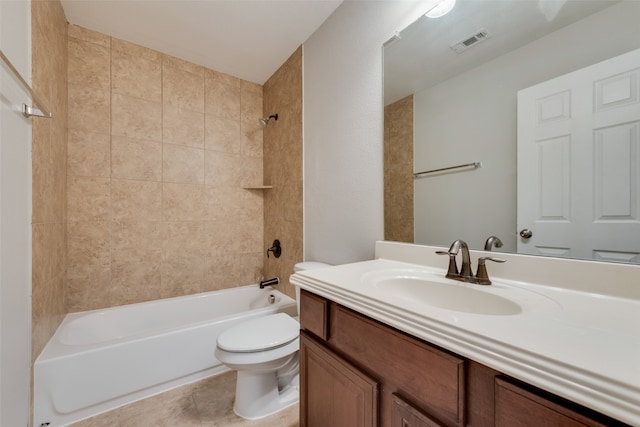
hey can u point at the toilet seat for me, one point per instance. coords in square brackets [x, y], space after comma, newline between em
[260, 334]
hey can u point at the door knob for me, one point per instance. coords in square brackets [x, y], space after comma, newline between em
[525, 233]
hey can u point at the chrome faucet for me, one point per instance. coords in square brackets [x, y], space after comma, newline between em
[491, 242]
[465, 270]
[270, 282]
[465, 274]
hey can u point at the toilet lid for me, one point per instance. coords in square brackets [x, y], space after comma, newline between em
[260, 333]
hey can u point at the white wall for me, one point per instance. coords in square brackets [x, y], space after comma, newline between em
[15, 218]
[475, 113]
[343, 128]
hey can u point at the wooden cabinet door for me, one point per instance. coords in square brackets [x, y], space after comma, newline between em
[405, 415]
[333, 392]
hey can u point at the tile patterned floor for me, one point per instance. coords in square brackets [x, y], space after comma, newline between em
[206, 403]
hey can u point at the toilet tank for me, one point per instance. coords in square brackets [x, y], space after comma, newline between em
[303, 266]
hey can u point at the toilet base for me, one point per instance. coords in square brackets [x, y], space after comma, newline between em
[258, 394]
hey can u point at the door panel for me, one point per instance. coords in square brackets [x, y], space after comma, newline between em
[334, 392]
[579, 163]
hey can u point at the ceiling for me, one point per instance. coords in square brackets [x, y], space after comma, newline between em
[421, 57]
[249, 39]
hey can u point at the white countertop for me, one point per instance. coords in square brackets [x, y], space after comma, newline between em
[580, 345]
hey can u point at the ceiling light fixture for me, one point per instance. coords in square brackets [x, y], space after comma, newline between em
[441, 9]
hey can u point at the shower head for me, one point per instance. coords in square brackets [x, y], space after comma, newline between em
[265, 121]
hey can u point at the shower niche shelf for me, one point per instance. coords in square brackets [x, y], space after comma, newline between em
[257, 187]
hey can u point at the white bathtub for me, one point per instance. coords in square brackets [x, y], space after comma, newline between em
[101, 359]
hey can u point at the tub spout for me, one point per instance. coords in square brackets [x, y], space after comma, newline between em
[270, 282]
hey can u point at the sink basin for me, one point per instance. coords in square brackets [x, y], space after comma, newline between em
[447, 295]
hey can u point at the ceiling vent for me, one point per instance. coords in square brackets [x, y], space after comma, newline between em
[471, 40]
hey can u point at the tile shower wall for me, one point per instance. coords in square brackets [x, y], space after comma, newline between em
[158, 152]
[49, 157]
[398, 170]
[283, 168]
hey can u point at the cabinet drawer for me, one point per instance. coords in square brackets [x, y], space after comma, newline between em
[518, 407]
[314, 312]
[430, 377]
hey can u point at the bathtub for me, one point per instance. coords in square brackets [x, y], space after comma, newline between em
[101, 359]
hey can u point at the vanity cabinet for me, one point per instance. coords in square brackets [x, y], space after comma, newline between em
[417, 384]
[334, 392]
[356, 371]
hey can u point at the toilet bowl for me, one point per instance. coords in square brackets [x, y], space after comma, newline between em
[264, 351]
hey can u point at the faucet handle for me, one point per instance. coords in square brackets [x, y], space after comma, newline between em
[482, 277]
[453, 267]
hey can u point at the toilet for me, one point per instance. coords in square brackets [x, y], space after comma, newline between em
[264, 351]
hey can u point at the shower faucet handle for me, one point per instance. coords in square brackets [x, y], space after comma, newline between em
[275, 248]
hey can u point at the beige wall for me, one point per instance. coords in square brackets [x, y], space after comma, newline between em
[283, 169]
[49, 158]
[158, 151]
[398, 170]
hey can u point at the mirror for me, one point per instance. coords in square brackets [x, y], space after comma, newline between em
[451, 89]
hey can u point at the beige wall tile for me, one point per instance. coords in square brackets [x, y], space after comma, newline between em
[88, 198]
[182, 277]
[252, 88]
[136, 159]
[182, 127]
[252, 171]
[136, 118]
[222, 100]
[87, 35]
[174, 224]
[49, 158]
[223, 169]
[44, 66]
[251, 112]
[183, 202]
[249, 236]
[89, 154]
[282, 157]
[182, 164]
[88, 64]
[87, 287]
[223, 202]
[88, 243]
[251, 268]
[181, 64]
[183, 89]
[252, 205]
[43, 174]
[186, 239]
[222, 77]
[398, 171]
[89, 109]
[231, 270]
[136, 241]
[221, 237]
[136, 200]
[135, 282]
[222, 134]
[43, 255]
[135, 76]
[135, 50]
[222, 271]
